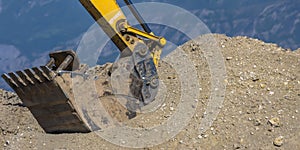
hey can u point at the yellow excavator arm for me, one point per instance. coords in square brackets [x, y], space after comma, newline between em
[112, 20]
[142, 45]
[47, 95]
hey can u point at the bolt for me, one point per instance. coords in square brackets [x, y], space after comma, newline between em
[127, 38]
[132, 42]
[154, 82]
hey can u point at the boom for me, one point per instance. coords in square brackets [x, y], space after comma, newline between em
[112, 20]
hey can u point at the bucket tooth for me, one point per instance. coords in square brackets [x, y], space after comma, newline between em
[39, 89]
[24, 77]
[17, 79]
[40, 74]
[47, 72]
[10, 82]
[15, 84]
[48, 97]
[32, 76]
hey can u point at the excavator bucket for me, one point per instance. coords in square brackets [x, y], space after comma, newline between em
[40, 89]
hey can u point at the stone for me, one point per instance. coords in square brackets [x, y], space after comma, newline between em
[275, 122]
[229, 58]
[257, 122]
[278, 141]
[236, 146]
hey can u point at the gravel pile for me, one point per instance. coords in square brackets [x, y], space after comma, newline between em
[261, 107]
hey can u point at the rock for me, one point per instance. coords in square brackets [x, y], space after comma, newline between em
[262, 86]
[253, 76]
[228, 58]
[193, 46]
[257, 122]
[245, 113]
[280, 112]
[171, 108]
[278, 141]
[236, 146]
[205, 136]
[200, 137]
[275, 122]
[172, 77]
[271, 130]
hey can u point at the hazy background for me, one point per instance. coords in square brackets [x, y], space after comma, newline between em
[30, 29]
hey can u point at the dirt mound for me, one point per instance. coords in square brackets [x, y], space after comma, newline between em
[260, 108]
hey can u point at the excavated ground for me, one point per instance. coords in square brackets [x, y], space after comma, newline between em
[260, 109]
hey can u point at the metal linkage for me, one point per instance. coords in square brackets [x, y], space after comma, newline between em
[146, 72]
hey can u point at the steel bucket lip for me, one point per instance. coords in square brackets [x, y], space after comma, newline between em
[43, 92]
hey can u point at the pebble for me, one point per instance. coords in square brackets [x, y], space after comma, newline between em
[271, 130]
[171, 108]
[262, 86]
[171, 77]
[200, 137]
[228, 58]
[257, 122]
[278, 141]
[280, 112]
[287, 97]
[193, 46]
[236, 146]
[275, 122]
[261, 123]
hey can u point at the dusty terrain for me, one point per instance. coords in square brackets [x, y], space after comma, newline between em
[260, 109]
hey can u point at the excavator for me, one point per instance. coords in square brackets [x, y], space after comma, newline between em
[43, 90]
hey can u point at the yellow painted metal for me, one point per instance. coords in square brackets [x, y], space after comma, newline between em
[108, 15]
[161, 40]
[156, 57]
[110, 18]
